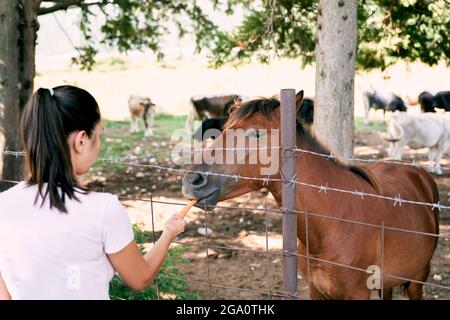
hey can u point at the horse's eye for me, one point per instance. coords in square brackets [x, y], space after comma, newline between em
[255, 134]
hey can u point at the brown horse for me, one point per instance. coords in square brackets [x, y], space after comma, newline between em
[406, 255]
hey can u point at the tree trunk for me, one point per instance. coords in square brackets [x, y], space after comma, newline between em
[18, 31]
[335, 75]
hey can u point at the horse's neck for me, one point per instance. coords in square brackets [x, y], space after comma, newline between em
[319, 171]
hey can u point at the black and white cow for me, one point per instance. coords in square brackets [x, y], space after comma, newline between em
[440, 100]
[387, 101]
[206, 107]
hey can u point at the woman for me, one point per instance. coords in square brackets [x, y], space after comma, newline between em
[57, 239]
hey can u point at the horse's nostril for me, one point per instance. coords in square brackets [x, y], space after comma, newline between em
[197, 180]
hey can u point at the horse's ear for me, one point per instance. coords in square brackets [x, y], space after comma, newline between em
[237, 101]
[299, 99]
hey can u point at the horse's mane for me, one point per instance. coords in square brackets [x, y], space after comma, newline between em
[268, 107]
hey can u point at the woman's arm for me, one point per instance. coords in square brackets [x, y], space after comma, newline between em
[138, 271]
[4, 294]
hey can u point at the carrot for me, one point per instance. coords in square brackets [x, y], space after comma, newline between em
[185, 210]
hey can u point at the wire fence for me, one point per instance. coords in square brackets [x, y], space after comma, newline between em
[288, 182]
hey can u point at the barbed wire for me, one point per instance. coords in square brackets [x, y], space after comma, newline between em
[350, 159]
[277, 252]
[274, 293]
[397, 199]
[281, 210]
[413, 163]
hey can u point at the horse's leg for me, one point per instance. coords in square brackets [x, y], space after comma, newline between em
[387, 293]
[357, 294]
[414, 289]
[315, 294]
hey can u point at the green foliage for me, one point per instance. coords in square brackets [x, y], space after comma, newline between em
[389, 30]
[286, 29]
[137, 24]
[169, 288]
[411, 30]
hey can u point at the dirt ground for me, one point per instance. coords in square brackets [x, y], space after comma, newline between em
[259, 275]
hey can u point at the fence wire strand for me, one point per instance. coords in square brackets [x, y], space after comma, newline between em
[397, 200]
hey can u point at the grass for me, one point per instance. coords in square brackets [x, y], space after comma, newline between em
[169, 289]
[108, 64]
[167, 123]
[372, 126]
[118, 142]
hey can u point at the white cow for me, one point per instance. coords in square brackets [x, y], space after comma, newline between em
[141, 107]
[419, 131]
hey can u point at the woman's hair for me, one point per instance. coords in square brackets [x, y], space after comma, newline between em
[49, 118]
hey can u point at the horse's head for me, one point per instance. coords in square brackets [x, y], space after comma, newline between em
[247, 147]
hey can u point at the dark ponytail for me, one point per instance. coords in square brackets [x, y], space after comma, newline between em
[47, 121]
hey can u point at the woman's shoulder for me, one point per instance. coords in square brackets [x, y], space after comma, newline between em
[21, 192]
[19, 187]
[101, 197]
[16, 197]
[105, 200]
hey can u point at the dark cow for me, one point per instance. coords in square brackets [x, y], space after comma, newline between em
[387, 101]
[211, 127]
[306, 112]
[210, 107]
[305, 115]
[440, 100]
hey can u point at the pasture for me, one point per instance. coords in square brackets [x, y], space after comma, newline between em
[170, 86]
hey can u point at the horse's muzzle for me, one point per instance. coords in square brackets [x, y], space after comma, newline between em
[196, 186]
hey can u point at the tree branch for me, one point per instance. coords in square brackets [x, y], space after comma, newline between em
[63, 5]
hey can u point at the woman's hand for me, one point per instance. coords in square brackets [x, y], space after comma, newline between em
[137, 271]
[174, 226]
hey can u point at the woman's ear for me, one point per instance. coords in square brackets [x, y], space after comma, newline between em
[80, 141]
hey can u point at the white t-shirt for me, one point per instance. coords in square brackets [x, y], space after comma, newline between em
[47, 254]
